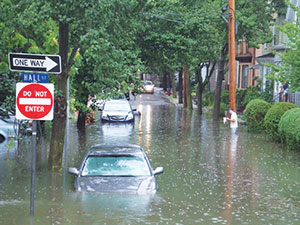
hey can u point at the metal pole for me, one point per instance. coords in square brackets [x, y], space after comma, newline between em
[33, 168]
[65, 153]
[231, 42]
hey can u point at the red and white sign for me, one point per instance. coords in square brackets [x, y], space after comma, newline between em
[34, 101]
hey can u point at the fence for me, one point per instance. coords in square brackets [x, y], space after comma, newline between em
[292, 97]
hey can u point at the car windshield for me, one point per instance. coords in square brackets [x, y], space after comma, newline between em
[125, 165]
[148, 83]
[117, 107]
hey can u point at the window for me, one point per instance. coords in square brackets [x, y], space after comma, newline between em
[119, 165]
[245, 77]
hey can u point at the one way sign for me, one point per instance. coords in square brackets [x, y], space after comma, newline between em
[34, 62]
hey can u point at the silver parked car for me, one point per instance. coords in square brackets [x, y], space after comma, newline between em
[117, 111]
[117, 169]
[8, 125]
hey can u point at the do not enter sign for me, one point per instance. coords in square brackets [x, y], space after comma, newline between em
[34, 101]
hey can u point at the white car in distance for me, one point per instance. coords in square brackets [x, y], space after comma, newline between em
[117, 111]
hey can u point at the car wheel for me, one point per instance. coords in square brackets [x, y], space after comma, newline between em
[2, 138]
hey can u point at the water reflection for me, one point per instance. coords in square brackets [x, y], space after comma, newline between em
[119, 133]
[145, 127]
[231, 151]
[129, 203]
[148, 119]
[140, 124]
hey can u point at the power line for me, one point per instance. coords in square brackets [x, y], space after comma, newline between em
[180, 20]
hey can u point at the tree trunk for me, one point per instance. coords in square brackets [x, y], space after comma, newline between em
[187, 91]
[200, 100]
[81, 120]
[174, 94]
[180, 97]
[199, 82]
[59, 122]
[220, 77]
[165, 82]
[169, 81]
[83, 97]
[184, 86]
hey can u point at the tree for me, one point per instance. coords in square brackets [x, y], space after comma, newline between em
[202, 83]
[12, 40]
[80, 21]
[70, 28]
[181, 34]
[109, 57]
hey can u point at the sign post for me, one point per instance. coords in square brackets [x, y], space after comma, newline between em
[34, 101]
[33, 168]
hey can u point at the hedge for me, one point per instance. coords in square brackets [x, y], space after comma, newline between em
[273, 117]
[255, 113]
[289, 128]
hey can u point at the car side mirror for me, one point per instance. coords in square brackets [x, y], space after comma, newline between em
[158, 170]
[137, 113]
[73, 171]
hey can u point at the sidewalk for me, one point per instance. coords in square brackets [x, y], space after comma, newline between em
[175, 102]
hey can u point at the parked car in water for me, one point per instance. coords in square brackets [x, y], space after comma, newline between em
[7, 130]
[117, 111]
[8, 125]
[117, 169]
[149, 87]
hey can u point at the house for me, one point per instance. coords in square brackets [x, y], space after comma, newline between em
[278, 45]
[247, 68]
[251, 62]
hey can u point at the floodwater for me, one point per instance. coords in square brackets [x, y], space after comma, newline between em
[212, 176]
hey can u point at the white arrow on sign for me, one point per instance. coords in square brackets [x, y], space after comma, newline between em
[35, 63]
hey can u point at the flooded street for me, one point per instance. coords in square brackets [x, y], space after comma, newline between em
[211, 176]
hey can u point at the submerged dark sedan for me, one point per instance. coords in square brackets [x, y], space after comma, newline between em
[115, 168]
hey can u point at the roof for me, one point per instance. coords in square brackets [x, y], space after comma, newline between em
[269, 55]
[103, 149]
[267, 58]
[244, 57]
[117, 101]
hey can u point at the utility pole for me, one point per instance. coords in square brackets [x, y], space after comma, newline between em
[231, 42]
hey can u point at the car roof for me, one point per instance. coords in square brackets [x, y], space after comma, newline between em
[104, 149]
[117, 101]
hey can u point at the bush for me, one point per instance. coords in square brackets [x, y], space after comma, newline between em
[257, 92]
[289, 128]
[255, 113]
[208, 99]
[251, 94]
[225, 97]
[240, 96]
[223, 108]
[273, 117]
